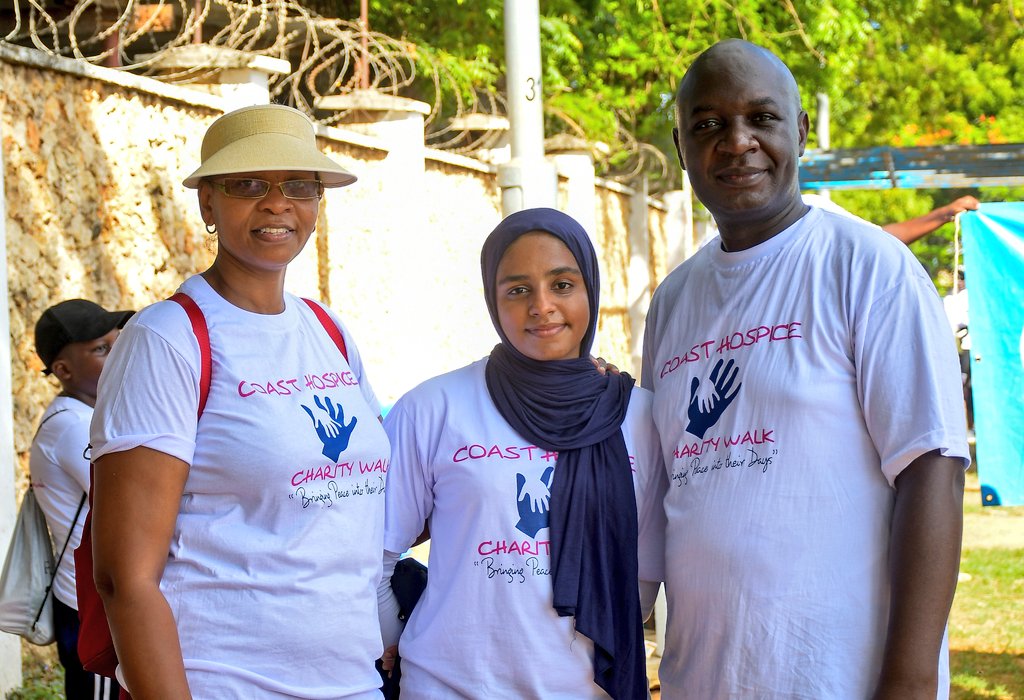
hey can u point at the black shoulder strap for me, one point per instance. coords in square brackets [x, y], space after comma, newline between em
[44, 420]
[56, 567]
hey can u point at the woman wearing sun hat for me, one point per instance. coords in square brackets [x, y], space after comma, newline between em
[238, 555]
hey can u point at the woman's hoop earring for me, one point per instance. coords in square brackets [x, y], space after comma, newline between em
[211, 229]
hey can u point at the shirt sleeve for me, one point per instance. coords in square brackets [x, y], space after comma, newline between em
[908, 375]
[388, 609]
[148, 394]
[647, 354]
[652, 485]
[409, 495]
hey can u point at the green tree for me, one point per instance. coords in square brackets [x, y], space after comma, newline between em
[931, 73]
[898, 72]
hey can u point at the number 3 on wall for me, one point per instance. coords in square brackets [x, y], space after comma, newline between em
[531, 89]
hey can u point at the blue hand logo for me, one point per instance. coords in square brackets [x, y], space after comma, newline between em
[329, 423]
[708, 404]
[533, 499]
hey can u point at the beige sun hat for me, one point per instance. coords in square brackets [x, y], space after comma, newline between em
[265, 137]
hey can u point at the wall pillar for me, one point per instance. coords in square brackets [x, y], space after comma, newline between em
[679, 226]
[396, 121]
[574, 160]
[10, 645]
[240, 77]
[488, 135]
[400, 229]
[638, 279]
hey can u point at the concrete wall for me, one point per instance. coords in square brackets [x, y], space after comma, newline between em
[92, 163]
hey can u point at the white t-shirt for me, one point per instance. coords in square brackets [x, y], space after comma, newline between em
[485, 627]
[814, 199]
[792, 381]
[276, 553]
[59, 464]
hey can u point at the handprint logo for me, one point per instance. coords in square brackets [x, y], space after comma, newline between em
[709, 401]
[329, 422]
[533, 498]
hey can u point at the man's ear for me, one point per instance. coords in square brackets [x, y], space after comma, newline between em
[61, 369]
[679, 151]
[804, 125]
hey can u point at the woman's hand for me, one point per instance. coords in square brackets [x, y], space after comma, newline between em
[387, 661]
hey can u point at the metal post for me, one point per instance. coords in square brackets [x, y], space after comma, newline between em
[822, 129]
[197, 11]
[527, 180]
[363, 64]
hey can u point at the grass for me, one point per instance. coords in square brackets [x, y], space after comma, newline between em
[986, 626]
[43, 674]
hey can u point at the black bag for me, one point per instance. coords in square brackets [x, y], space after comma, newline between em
[408, 582]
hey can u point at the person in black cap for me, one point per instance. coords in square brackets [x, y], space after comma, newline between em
[73, 339]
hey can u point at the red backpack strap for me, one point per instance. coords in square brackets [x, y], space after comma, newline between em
[95, 645]
[329, 325]
[202, 333]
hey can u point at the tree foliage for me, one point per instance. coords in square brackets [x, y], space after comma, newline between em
[897, 72]
[930, 73]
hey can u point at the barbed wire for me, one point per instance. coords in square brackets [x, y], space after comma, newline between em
[635, 159]
[329, 56]
[184, 41]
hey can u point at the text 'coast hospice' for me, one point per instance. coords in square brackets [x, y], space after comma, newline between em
[733, 341]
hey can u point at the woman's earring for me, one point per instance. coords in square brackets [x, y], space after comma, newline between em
[211, 229]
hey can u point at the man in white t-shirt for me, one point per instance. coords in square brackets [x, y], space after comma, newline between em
[73, 339]
[808, 408]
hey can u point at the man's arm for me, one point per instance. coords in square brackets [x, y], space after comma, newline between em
[910, 230]
[924, 561]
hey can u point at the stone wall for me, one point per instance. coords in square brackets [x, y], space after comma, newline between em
[93, 160]
[92, 209]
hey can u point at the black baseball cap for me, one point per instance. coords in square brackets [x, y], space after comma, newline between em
[73, 321]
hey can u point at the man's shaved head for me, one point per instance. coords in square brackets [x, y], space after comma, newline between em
[740, 132]
[733, 53]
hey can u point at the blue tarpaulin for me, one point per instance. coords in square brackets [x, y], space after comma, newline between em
[994, 273]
